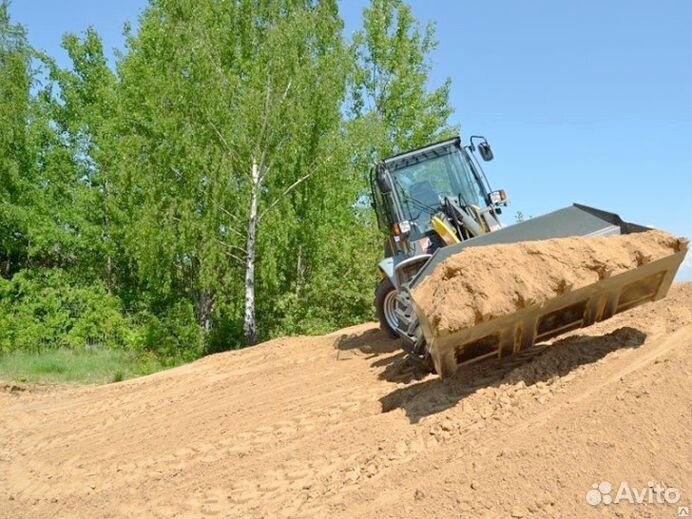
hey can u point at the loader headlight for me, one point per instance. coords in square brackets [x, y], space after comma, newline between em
[498, 197]
[399, 228]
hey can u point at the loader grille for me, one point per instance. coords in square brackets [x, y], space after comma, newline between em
[640, 291]
[561, 321]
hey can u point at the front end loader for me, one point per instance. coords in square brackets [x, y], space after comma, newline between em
[434, 201]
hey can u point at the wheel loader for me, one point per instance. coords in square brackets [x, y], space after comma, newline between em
[434, 201]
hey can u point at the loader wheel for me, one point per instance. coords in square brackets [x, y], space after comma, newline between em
[411, 335]
[385, 306]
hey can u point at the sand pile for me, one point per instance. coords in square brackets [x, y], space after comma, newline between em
[483, 283]
[337, 427]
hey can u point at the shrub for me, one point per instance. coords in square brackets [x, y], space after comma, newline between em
[171, 333]
[44, 309]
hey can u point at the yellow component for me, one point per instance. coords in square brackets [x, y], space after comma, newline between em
[444, 230]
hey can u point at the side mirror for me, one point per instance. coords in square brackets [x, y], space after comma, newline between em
[486, 151]
[383, 181]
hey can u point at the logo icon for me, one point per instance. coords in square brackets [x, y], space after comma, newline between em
[599, 493]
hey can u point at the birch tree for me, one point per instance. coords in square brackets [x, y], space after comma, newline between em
[226, 107]
[290, 102]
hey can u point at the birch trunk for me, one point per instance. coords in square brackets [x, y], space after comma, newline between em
[249, 324]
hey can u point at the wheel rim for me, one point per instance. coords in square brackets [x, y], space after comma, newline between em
[389, 308]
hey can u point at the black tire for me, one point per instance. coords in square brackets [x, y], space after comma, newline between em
[412, 339]
[384, 291]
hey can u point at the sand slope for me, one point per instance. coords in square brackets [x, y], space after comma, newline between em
[335, 426]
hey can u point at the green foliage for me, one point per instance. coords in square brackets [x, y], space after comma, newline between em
[129, 215]
[173, 334]
[15, 188]
[42, 309]
[194, 120]
[391, 68]
[46, 309]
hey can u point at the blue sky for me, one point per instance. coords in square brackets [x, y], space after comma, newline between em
[583, 101]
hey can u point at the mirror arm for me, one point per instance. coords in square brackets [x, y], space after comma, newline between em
[479, 137]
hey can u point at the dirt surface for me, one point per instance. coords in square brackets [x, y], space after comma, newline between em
[475, 285]
[336, 426]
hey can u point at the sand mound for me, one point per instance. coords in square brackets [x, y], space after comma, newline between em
[482, 283]
[336, 427]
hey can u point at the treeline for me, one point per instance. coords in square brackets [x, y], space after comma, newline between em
[210, 189]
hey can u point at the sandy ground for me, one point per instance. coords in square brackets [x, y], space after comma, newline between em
[335, 426]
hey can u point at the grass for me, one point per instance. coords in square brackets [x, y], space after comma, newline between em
[88, 366]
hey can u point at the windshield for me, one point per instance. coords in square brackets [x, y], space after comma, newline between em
[423, 180]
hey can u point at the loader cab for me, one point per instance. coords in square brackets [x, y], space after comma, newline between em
[426, 199]
[410, 188]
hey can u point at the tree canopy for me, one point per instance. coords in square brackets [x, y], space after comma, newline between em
[209, 189]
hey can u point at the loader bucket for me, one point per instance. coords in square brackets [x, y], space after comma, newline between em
[510, 334]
